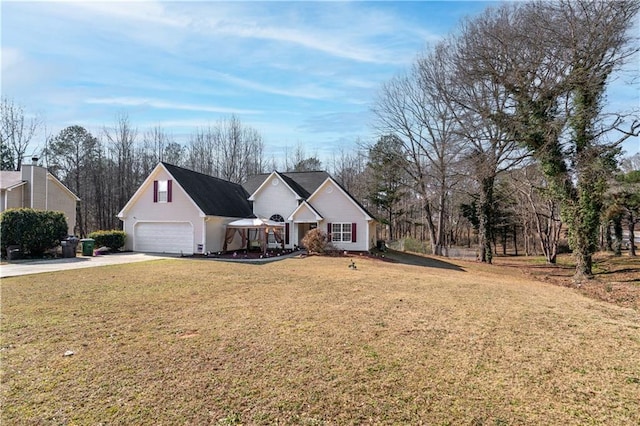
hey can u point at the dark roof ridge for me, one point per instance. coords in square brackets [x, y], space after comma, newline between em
[199, 173]
[214, 196]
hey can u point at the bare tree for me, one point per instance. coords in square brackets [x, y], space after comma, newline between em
[553, 60]
[349, 168]
[16, 132]
[240, 150]
[531, 189]
[411, 107]
[71, 155]
[121, 138]
[631, 163]
[229, 150]
[155, 142]
[301, 161]
[489, 149]
[201, 151]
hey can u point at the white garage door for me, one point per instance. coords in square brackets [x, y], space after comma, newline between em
[163, 237]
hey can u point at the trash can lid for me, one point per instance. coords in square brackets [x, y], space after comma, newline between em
[87, 239]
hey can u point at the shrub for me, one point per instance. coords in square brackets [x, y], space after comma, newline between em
[316, 241]
[416, 246]
[34, 231]
[113, 239]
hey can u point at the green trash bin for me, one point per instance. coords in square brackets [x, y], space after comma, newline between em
[87, 246]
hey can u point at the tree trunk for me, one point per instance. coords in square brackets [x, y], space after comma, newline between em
[485, 216]
[430, 227]
[584, 264]
[617, 232]
[632, 236]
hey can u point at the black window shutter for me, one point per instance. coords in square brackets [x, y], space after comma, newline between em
[353, 232]
[286, 233]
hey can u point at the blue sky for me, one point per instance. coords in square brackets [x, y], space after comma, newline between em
[301, 73]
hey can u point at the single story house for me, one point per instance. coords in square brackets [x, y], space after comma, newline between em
[176, 210]
[307, 200]
[34, 187]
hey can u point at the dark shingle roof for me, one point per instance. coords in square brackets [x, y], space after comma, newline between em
[302, 183]
[253, 182]
[214, 196]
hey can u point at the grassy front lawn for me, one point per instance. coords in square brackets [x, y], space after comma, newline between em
[311, 341]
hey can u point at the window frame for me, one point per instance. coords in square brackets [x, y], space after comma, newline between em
[339, 229]
[163, 193]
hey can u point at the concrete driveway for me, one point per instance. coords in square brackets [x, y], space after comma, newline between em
[26, 267]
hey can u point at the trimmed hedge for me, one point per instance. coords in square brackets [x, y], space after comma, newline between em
[34, 231]
[113, 239]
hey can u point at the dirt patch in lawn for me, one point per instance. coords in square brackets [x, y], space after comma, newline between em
[616, 278]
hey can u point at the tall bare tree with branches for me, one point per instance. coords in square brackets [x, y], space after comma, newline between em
[412, 109]
[554, 60]
[16, 133]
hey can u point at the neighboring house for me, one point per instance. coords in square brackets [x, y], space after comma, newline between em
[177, 210]
[34, 187]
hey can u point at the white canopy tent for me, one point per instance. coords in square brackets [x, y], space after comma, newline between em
[261, 228]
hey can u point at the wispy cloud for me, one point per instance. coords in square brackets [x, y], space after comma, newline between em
[10, 57]
[159, 104]
[308, 92]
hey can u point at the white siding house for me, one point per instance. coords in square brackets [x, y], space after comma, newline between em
[177, 210]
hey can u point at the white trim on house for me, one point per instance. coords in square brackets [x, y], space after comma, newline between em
[61, 185]
[269, 181]
[304, 205]
[328, 181]
[12, 187]
[142, 187]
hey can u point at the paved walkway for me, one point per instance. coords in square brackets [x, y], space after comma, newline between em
[26, 267]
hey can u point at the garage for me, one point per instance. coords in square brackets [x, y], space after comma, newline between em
[163, 237]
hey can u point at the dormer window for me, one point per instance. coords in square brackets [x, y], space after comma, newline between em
[162, 191]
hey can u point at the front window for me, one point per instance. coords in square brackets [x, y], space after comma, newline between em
[163, 191]
[341, 232]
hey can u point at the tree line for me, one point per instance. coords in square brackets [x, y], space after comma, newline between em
[497, 135]
[514, 104]
[105, 170]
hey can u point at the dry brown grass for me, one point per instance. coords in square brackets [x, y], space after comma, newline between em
[310, 341]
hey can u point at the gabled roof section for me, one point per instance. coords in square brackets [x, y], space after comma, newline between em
[364, 209]
[214, 196]
[62, 186]
[368, 215]
[254, 182]
[305, 205]
[308, 181]
[211, 195]
[10, 179]
[268, 178]
[303, 184]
